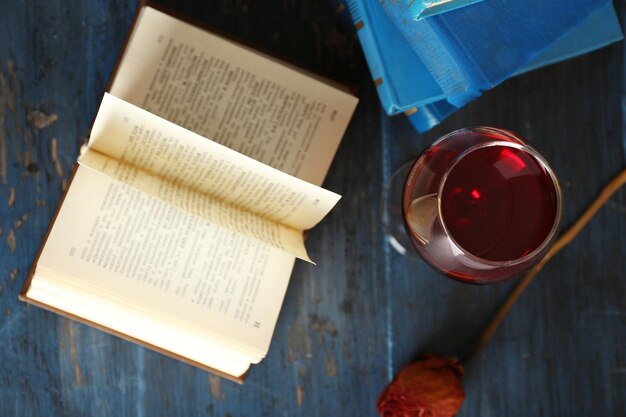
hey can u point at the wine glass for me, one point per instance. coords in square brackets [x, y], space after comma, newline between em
[480, 205]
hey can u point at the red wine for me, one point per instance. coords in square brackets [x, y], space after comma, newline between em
[498, 203]
[480, 205]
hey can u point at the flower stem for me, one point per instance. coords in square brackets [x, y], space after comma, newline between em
[609, 189]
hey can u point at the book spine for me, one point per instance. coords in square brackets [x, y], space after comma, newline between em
[441, 58]
[423, 117]
[372, 51]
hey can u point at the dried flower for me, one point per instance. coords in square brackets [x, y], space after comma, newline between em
[431, 386]
[428, 387]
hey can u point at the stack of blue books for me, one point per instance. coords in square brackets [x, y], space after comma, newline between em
[429, 63]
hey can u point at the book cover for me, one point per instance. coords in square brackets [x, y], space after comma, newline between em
[410, 88]
[472, 49]
[599, 30]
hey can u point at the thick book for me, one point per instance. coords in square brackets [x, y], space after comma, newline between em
[600, 29]
[473, 49]
[178, 242]
[405, 84]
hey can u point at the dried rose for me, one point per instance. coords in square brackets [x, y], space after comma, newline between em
[428, 387]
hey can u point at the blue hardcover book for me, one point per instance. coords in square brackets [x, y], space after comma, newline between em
[419, 9]
[403, 81]
[600, 29]
[404, 84]
[472, 49]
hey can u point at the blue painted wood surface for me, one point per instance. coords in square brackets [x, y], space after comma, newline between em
[350, 323]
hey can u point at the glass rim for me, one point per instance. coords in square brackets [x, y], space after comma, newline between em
[523, 146]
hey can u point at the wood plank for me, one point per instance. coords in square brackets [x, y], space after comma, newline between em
[350, 323]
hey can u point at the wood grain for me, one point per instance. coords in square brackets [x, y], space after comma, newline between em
[350, 323]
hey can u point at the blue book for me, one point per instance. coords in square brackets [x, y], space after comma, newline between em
[404, 84]
[472, 49]
[600, 29]
[419, 9]
[403, 81]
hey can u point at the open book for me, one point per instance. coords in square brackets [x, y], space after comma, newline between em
[182, 243]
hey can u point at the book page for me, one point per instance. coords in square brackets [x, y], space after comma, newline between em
[59, 294]
[201, 176]
[241, 99]
[127, 245]
[214, 211]
[138, 138]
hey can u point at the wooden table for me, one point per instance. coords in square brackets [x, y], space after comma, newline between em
[350, 323]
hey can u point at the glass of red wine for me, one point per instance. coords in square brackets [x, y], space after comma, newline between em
[481, 206]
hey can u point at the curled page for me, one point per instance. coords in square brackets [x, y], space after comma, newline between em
[203, 177]
[214, 211]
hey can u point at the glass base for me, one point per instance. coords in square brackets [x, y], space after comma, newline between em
[391, 206]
